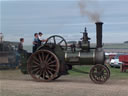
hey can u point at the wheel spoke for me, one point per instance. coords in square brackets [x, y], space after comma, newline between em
[46, 57]
[60, 41]
[50, 72]
[52, 69]
[35, 66]
[95, 74]
[50, 59]
[102, 70]
[35, 69]
[47, 73]
[40, 58]
[54, 39]
[52, 65]
[36, 63]
[38, 71]
[41, 74]
[35, 59]
[51, 62]
[103, 77]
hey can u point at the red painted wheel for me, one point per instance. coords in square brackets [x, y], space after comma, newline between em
[99, 74]
[43, 65]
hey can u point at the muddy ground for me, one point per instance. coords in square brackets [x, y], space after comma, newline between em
[15, 83]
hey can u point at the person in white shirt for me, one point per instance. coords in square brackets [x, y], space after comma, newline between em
[41, 40]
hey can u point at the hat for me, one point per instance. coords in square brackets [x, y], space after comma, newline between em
[40, 33]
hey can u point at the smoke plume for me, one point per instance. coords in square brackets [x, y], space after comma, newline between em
[93, 15]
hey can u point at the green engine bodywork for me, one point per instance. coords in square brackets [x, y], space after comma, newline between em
[80, 58]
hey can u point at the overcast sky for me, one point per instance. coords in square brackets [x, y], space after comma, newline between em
[23, 18]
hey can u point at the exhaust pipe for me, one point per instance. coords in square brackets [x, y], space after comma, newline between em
[100, 55]
[99, 34]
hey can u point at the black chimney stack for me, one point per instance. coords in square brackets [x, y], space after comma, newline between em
[99, 34]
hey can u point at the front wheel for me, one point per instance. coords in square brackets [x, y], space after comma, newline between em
[99, 73]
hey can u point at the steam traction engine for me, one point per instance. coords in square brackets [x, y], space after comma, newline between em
[55, 58]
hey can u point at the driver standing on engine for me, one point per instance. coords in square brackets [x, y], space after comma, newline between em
[41, 40]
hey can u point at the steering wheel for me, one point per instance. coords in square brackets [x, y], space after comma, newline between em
[57, 40]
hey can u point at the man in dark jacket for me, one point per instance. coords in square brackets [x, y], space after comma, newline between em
[36, 42]
[20, 46]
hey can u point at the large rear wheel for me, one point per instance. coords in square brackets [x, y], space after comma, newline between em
[43, 65]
